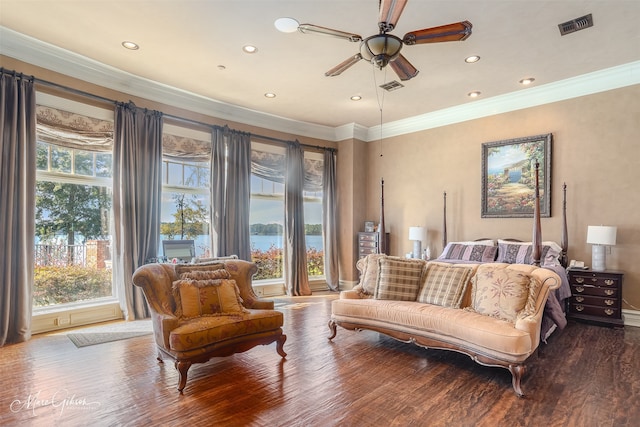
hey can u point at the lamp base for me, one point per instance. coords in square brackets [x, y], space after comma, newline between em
[417, 249]
[598, 258]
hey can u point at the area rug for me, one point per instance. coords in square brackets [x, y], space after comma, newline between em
[87, 339]
[110, 332]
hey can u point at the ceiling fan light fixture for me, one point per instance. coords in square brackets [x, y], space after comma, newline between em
[380, 49]
[286, 25]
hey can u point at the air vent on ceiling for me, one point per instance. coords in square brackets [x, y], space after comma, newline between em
[392, 85]
[576, 25]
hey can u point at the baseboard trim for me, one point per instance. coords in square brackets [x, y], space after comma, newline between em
[70, 317]
[631, 318]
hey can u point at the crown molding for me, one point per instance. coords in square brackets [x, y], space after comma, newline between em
[45, 55]
[586, 84]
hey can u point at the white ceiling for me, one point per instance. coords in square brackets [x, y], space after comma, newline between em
[182, 43]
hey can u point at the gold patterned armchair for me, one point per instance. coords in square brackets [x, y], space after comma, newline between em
[200, 311]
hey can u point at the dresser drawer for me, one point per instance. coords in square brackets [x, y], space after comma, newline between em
[367, 251]
[592, 310]
[595, 280]
[370, 237]
[597, 301]
[594, 290]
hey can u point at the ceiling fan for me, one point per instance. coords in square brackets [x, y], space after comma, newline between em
[383, 48]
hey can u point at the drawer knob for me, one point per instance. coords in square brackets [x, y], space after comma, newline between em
[608, 282]
[609, 292]
[580, 279]
[580, 288]
[608, 311]
[579, 307]
[609, 301]
[579, 299]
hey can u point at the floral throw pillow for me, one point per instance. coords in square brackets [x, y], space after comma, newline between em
[208, 297]
[500, 292]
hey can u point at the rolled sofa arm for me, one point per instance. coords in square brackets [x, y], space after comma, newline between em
[242, 272]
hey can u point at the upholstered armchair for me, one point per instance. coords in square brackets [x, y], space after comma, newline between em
[200, 311]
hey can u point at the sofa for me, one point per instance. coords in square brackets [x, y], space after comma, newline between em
[491, 312]
[200, 311]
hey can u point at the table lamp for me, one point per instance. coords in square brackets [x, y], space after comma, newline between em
[600, 236]
[417, 234]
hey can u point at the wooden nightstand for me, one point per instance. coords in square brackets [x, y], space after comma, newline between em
[596, 296]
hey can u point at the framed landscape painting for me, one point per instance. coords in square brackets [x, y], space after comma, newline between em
[508, 177]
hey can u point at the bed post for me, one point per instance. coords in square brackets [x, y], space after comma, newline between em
[444, 225]
[381, 227]
[564, 242]
[537, 231]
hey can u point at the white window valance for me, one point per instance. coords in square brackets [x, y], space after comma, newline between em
[72, 130]
[184, 148]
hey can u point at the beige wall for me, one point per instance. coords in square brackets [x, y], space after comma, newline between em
[596, 151]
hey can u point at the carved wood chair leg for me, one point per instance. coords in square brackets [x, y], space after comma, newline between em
[280, 346]
[182, 367]
[516, 375]
[333, 328]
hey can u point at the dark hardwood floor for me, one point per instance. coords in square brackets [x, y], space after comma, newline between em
[586, 376]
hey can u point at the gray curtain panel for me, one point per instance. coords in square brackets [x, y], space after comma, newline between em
[17, 204]
[230, 193]
[295, 253]
[137, 191]
[329, 225]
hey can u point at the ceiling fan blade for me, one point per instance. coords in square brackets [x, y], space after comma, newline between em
[316, 29]
[445, 33]
[338, 69]
[390, 11]
[403, 68]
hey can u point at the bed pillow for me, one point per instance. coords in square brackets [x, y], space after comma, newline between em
[444, 285]
[398, 279]
[469, 252]
[522, 253]
[208, 297]
[500, 292]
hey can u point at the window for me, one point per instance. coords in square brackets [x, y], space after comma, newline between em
[267, 212]
[186, 197]
[73, 205]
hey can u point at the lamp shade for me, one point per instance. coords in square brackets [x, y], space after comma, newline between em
[601, 235]
[417, 233]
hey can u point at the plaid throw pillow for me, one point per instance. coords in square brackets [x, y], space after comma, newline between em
[444, 285]
[398, 279]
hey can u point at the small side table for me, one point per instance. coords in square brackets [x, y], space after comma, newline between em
[596, 296]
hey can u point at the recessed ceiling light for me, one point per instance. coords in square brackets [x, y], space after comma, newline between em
[130, 45]
[471, 59]
[249, 48]
[527, 81]
[356, 98]
[474, 94]
[286, 25]
[270, 95]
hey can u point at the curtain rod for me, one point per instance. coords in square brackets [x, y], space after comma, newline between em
[170, 116]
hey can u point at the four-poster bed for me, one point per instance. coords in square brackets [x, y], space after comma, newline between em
[545, 254]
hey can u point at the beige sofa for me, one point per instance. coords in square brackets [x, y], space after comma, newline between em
[491, 312]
